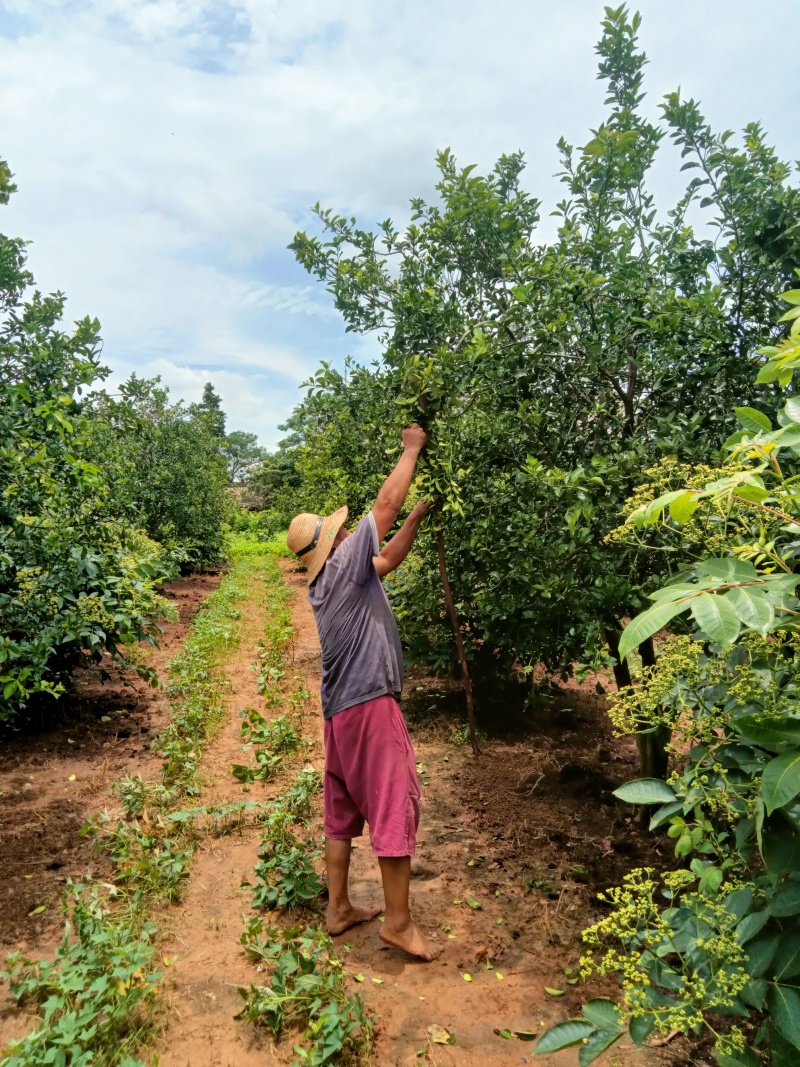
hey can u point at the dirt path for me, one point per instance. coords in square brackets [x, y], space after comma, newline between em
[532, 856]
[529, 832]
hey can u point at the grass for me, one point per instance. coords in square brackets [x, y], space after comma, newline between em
[96, 997]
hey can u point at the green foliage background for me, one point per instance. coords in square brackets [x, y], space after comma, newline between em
[101, 496]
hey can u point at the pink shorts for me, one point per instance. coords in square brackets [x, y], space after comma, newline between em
[371, 776]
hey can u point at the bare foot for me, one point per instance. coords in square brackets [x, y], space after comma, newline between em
[336, 922]
[410, 939]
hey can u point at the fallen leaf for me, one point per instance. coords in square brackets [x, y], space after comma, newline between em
[525, 1035]
[378, 981]
[422, 998]
[503, 1033]
[572, 981]
[553, 992]
[39, 910]
[359, 977]
[72, 778]
[451, 937]
[567, 970]
[474, 904]
[500, 977]
[467, 977]
[439, 1035]
[498, 922]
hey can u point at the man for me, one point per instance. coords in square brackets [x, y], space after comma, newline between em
[370, 768]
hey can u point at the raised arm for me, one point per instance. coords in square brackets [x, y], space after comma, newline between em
[395, 489]
[395, 551]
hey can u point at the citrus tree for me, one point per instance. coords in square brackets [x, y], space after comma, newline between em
[553, 374]
[720, 935]
[76, 578]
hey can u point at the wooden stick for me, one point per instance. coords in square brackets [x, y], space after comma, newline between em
[462, 659]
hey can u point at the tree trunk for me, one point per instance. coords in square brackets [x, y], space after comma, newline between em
[653, 757]
[462, 659]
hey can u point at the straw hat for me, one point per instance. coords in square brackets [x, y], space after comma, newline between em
[311, 538]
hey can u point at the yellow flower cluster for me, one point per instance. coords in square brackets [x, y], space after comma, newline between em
[663, 692]
[707, 976]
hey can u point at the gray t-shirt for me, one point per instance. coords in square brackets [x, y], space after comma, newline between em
[361, 653]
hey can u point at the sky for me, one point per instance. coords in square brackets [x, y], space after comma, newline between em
[166, 151]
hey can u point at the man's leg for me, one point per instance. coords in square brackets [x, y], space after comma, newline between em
[341, 914]
[399, 929]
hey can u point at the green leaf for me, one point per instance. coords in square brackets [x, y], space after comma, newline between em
[756, 494]
[641, 1028]
[563, 1035]
[751, 925]
[665, 812]
[754, 609]
[716, 617]
[792, 409]
[768, 373]
[603, 1012]
[766, 731]
[787, 958]
[786, 901]
[645, 791]
[784, 1010]
[727, 569]
[683, 507]
[780, 781]
[596, 1045]
[760, 954]
[753, 420]
[779, 847]
[647, 624]
[755, 993]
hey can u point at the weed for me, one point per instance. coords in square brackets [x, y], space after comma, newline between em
[94, 995]
[306, 989]
[286, 875]
[277, 734]
[278, 738]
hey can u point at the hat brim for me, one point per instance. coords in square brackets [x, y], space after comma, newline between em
[331, 525]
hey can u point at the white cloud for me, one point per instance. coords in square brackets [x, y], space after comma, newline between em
[167, 150]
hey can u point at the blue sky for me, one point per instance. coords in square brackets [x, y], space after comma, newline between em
[166, 151]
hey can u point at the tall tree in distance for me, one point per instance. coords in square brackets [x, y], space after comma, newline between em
[243, 453]
[211, 408]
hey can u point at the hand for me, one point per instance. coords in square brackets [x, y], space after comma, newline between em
[421, 508]
[414, 438]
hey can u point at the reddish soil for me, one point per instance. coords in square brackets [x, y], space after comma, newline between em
[54, 778]
[529, 830]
